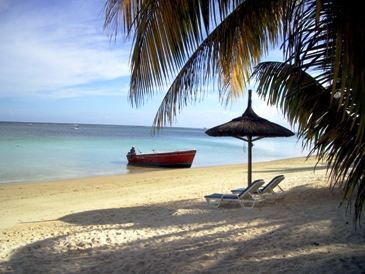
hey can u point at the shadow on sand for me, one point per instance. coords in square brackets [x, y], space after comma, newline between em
[189, 237]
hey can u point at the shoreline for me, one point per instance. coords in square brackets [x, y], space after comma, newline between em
[134, 170]
[159, 222]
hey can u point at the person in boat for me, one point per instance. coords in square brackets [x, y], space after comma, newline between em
[132, 151]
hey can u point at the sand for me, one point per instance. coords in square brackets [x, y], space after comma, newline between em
[159, 222]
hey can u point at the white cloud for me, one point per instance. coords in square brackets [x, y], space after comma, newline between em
[49, 47]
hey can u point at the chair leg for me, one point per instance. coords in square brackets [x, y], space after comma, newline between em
[250, 206]
[270, 198]
[214, 202]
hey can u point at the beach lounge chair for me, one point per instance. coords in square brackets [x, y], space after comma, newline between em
[268, 191]
[247, 198]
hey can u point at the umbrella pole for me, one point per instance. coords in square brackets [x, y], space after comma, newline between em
[249, 172]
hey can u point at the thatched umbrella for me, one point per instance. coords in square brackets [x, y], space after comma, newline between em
[251, 126]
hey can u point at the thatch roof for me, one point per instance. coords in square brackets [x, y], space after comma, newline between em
[250, 124]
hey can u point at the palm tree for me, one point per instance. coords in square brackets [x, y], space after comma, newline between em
[328, 42]
[188, 45]
[174, 46]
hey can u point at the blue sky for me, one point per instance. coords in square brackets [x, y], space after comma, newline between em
[58, 65]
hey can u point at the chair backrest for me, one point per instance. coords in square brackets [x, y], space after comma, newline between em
[254, 186]
[273, 183]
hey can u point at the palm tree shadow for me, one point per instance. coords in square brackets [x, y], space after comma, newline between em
[287, 170]
[187, 236]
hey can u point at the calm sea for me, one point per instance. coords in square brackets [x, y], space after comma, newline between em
[32, 152]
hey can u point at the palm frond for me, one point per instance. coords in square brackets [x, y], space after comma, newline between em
[227, 55]
[188, 52]
[329, 135]
[328, 36]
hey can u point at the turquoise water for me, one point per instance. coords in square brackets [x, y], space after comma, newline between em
[32, 152]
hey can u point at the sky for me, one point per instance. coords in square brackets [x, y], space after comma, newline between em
[58, 65]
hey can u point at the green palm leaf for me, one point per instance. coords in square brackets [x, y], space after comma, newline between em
[171, 42]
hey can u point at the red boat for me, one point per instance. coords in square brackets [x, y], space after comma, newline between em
[178, 158]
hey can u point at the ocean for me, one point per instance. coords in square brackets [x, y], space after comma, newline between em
[36, 152]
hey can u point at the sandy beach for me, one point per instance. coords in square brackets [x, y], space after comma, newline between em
[159, 222]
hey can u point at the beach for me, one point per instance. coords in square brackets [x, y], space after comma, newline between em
[159, 222]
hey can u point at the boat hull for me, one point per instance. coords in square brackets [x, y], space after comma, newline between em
[175, 159]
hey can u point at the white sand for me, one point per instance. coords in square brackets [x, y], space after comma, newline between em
[159, 222]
